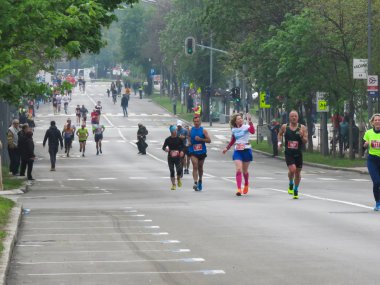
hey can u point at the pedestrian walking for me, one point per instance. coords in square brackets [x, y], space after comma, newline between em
[198, 137]
[142, 132]
[28, 155]
[242, 155]
[13, 151]
[124, 104]
[295, 136]
[54, 137]
[173, 145]
[372, 142]
[21, 144]
[274, 128]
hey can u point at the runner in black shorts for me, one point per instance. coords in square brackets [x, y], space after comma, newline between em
[295, 136]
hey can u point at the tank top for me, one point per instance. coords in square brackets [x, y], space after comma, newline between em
[242, 137]
[293, 141]
[197, 147]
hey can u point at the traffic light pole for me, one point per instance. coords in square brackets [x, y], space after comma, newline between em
[209, 94]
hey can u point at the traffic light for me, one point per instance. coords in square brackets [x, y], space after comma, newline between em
[189, 45]
[236, 94]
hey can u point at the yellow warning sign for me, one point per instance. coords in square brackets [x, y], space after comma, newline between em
[263, 100]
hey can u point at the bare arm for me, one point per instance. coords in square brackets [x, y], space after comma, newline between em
[281, 133]
[303, 134]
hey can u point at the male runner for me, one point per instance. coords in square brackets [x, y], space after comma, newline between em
[198, 137]
[82, 134]
[98, 130]
[295, 136]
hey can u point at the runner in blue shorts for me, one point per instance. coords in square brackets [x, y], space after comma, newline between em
[243, 151]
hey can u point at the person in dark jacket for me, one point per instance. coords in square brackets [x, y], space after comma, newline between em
[28, 153]
[21, 145]
[124, 104]
[55, 138]
[142, 132]
[274, 128]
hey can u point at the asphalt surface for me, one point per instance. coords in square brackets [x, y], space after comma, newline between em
[112, 218]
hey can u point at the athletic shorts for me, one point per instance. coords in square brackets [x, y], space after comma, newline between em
[78, 115]
[82, 141]
[98, 137]
[243, 155]
[186, 150]
[199, 156]
[294, 159]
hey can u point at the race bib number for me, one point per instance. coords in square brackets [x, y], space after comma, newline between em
[174, 153]
[197, 147]
[293, 144]
[375, 144]
[240, 146]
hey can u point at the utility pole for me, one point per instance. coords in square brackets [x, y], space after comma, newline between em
[209, 94]
[369, 72]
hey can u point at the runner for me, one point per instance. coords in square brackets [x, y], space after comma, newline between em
[83, 113]
[198, 137]
[94, 117]
[372, 142]
[183, 134]
[173, 145]
[65, 100]
[77, 114]
[98, 130]
[98, 107]
[82, 134]
[186, 151]
[68, 135]
[124, 104]
[59, 102]
[295, 136]
[243, 151]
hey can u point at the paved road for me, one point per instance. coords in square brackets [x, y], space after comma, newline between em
[111, 219]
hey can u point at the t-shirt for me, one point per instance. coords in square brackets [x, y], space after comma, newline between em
[98, 129]
[82, 134]
[373, 140]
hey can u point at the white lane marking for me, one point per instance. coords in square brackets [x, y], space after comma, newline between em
[323, 199]
[194, 259]
[64, 196]
[264, 178]
[104, 241]
[361, 180]
[96, 228]
[95, 234]
[221, 137]
[91, 216]
[138, 178]
[45, 180]
[327, 179]
[181, 250]
[93, 221]
[76, 179]
[204, 272]
[107, 178]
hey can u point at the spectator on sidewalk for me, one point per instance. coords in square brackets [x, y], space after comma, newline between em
[274, 128]
[22, 146]
[55, 138]
[13, 151]
[28, 153]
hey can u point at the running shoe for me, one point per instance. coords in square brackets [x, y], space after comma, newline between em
[97, 152]
[100, 150]
[290, 189]
[295, 194]
[238, 193]
[173, 187]
[179, 183]
[200, 186]
[377, 207]
[195, 187]
[245, 190]
[82, 154]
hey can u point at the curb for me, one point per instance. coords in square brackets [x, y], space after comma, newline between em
[317, 165]
[10, 241]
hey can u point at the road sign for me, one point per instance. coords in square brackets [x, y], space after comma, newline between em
[264, 100]
[360, 67]
[322, 104]
[373, 85]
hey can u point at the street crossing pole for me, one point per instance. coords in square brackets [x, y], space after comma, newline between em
[369, 72]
